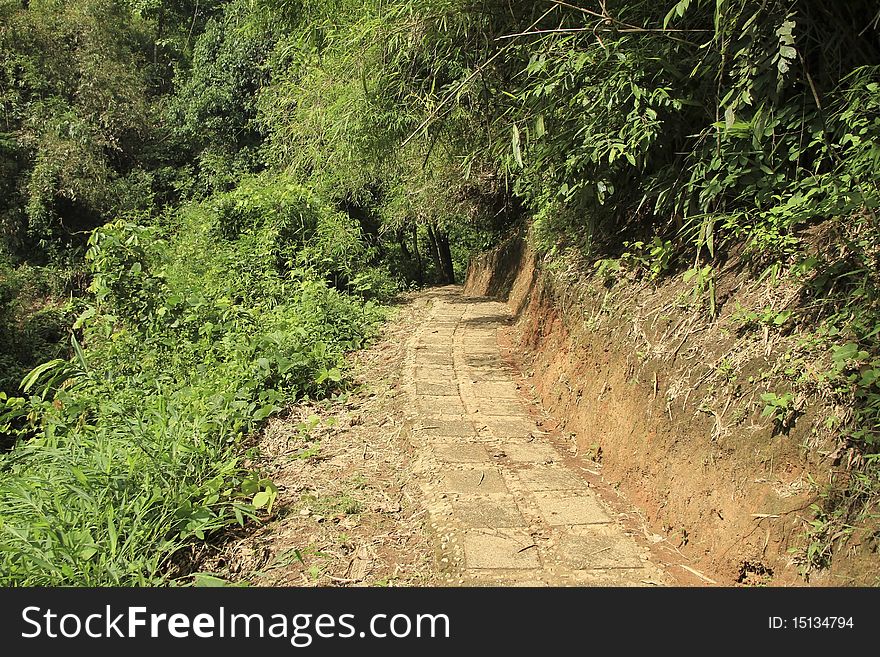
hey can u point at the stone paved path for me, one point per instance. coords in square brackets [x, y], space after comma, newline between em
[505, 508]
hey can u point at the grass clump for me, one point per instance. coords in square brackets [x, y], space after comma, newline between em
[200, 327]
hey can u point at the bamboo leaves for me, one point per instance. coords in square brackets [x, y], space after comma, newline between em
[786, 53]
[517, 146]
[677, 10]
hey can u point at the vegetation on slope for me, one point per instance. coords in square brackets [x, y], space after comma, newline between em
[198, 333]
[268, 166]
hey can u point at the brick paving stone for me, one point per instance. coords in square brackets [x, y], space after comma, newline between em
[476, 480]
[567, 508]
[506, 509]
[495, 511]
[504, 548]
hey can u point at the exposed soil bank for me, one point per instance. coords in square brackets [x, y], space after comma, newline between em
[632, 376]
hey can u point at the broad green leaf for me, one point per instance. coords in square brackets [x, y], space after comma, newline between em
[540, 130]
[261, 499]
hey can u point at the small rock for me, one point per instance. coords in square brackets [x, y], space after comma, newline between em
[305, 512]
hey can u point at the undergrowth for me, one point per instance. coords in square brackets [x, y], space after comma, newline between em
[200, 328]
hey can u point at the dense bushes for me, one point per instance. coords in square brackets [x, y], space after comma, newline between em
[197, 334]
[33, 321]
[202, 318]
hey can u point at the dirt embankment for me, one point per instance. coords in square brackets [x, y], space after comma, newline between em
[669, 401]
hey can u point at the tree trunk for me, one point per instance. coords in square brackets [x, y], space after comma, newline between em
[445, 256]
[420, 276]
[404, 249]
[435, 254]
[192, 26]
[160, 32]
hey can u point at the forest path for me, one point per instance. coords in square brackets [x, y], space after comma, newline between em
[435, 470]
[505, 506]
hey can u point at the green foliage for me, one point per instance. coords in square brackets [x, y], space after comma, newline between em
[214, 109]
[336, 152]
[765, 317]
[336, 115]
[76, 106]
[654, 257]
[777, 407]
[856, 371]
[197, 335]
[703, 282]
[34, 321]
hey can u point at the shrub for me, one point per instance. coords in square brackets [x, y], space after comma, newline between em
[197, 334]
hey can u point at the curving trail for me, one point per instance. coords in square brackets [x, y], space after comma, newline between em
[504, 506]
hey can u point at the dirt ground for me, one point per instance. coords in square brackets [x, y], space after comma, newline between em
[491, 439]
[438, 468]
[668, 400]
[349, 512]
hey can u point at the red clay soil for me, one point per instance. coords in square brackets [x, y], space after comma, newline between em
[728, 495]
